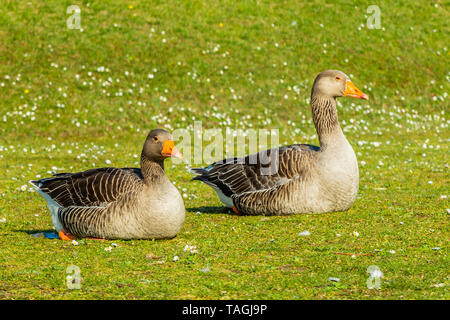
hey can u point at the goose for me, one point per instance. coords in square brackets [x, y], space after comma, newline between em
[298, 178]
[118, 203]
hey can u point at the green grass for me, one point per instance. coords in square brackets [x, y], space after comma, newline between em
[55, 115]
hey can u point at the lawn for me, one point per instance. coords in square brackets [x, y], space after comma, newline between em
[75, 99]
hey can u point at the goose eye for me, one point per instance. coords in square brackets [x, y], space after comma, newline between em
[155, 138]
[338, 78]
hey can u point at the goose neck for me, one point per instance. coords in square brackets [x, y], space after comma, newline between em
[151, 170]
[325, 119]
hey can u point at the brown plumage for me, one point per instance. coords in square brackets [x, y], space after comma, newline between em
[297, 178]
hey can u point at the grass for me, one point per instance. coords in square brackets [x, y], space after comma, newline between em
[72, 99]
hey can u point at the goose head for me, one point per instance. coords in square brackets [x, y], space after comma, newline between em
[159, 145]
[335, 83]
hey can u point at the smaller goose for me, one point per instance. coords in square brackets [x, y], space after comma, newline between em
[299, 178]
[113, 203]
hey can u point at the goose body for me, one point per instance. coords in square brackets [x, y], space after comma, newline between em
[117, 203]
[297, 178]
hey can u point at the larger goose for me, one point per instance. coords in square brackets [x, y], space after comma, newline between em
[113, 203]
[298, 178]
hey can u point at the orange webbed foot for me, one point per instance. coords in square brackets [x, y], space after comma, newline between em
[66, 236]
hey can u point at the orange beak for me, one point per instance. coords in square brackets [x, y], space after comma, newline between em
[169, 150]
[352, 91]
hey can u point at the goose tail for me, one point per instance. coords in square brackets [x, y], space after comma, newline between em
[223, 192]
[53, 206]
[200, 173]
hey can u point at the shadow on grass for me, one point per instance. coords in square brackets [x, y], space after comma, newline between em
[30, 232]
[211, 209]
[41, 233]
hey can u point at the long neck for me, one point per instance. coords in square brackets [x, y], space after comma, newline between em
[152, 170]
[325, 119]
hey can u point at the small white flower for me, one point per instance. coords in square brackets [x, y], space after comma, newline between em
[304, 233]
[334, 279]
[355, 233]
[74, 242]
[24, 187]
[108, 248]
[392, 251]
[175, 258]
[192, 249]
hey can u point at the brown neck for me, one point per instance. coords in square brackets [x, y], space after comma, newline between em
[151, 170]
[325, 118]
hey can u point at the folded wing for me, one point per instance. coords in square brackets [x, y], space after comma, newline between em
[95, 187]
[258, 172]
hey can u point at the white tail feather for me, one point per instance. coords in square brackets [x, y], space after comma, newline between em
[53, 206]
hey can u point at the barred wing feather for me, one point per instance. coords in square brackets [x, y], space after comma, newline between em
[258, 172]
[95, 187]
